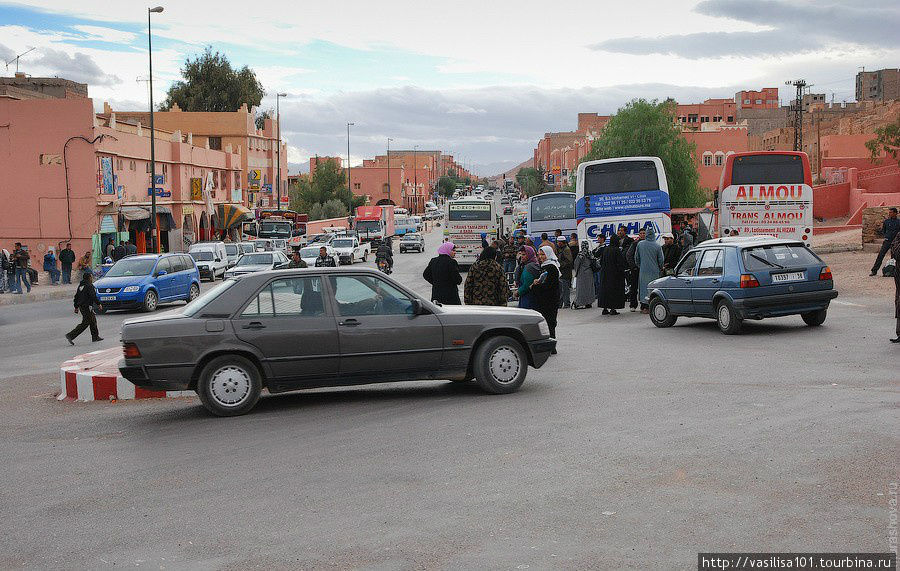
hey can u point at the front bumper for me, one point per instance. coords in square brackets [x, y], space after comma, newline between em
[784, 304]
[541, 351]
[121, 300]
[207, 273]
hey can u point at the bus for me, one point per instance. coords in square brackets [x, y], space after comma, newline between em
[625, 191]
[766, 192]
[467, 219]
[549, 212]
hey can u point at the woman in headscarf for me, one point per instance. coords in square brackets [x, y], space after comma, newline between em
[486, 283]
[443, 275]
[648, 256]
[895, 252]
[585, 294]
[527, 271]
[612, 278]
[546, 288]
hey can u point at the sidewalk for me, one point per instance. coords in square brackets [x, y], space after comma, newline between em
[40, 292]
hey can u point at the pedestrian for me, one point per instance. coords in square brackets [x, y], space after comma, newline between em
[648, 257]
[5, 266]
[130, 249]
[50, 266]
[597, 254]
[118, 252]
[566, 261]
[686, 239]
[509, 256]
[66, 259]
[84, 263]
[109, 248]
[895, 252]
[545, 241]
[583, 268]
[546, 288]
[296, 262]
[889, 229]
[84, 301]
[573, 246]
[527, 271]
[486, 283]
[443, 275]
[20, 258]
[633, 274]
[671, 254]
[612, 278]
[323, 260]
[625, 240]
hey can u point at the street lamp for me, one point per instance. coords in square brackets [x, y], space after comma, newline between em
[278, 97]
[415, 178]
[389, 166]
[154, 245]
[349, 198]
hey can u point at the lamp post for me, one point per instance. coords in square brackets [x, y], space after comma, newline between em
[154, 245]
[349, 191]
[389, 166]
[278, 97]
[415, 178]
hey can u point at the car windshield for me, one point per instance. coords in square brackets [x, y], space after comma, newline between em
[309, 252]
[255, 260]
[131, 267]
[342, 243]
[777, 256]
[205, 298]
[231, 249]
[247, 247]
[202, 256]
[411, 238]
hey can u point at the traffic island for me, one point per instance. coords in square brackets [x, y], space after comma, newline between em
[95, 376]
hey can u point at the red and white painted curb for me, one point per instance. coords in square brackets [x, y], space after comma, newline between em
[95, 376]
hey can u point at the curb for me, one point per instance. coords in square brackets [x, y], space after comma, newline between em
[16, 299]
[835, 248]
[87, 378]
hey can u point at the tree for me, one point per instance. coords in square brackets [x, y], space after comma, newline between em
[211, 84]
[647, 128]
[531, 181]
[262, 116]
[886, 141]
[446, 186]
[327, 185]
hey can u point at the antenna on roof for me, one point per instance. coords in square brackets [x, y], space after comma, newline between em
[16, 59]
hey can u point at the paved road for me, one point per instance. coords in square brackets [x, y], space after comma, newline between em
[636, 447]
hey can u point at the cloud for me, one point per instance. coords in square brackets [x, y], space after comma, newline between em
[795, 28]
[104, 34]
[77, 67]
[6, 54]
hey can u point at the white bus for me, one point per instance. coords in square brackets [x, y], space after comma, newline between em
[403, 224]
[549, 212]
[467, 220]
[626, 191]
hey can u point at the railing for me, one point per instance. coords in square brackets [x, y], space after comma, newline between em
[879, 171]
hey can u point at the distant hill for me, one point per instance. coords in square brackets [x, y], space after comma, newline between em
[511, 173]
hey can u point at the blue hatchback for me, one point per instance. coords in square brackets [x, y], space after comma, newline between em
[733, 279]
[146, 280]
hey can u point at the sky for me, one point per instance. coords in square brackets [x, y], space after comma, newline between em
[481, 80]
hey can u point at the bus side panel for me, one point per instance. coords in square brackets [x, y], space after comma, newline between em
[591, 228]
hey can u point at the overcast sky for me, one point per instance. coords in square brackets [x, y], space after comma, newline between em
[482, 80]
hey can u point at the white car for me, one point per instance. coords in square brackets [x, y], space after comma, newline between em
[211, 259]
[349, 249]
[310, 253]
[256, 262]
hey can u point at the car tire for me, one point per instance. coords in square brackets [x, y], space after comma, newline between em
[151, 301]
[500, 365]
[815, 318]
[727, 319]
[193, 293]
[660, 314]
[365, 257]
[229, 385]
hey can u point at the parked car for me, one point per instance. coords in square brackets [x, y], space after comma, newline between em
[349, 249]
[234, 341]
[417, 220]
[264, 244]
[734, 279]
[211, 258]
[233, 251]
[256, 262]
[411, 242]
[247, 247]
[144, 281]
[310, 253]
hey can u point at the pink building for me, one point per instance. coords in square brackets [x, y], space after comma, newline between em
[71, 175]
[712, 148]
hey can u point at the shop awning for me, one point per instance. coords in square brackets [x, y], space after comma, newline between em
[230, 215]
[139, 217]
[134, 212]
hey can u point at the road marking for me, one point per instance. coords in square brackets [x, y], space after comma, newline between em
[848, 303]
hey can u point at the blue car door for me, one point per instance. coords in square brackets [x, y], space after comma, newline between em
[165, 284]
[708, 280]
[678, 287]
[182, 276]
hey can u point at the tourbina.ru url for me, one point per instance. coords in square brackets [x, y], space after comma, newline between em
[796, 561]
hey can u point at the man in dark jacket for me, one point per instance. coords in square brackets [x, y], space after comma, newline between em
[566, 263]
[324, 260]
[130, 249]
[632, 275]
[85, 299]
[671, 254]
[295, 263]
[20, 257]
[118, 252]
[66, 259]
[889, 228]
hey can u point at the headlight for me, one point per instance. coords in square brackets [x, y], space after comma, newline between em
[130, 289]
[544, 328]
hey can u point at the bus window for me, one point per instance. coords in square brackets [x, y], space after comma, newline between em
[556, 207]
[768, 169]
[623, 176]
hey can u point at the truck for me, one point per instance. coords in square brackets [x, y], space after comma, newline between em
[374, 222]
[349, 249]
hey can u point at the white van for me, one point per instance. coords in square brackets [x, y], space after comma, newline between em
[211, 259]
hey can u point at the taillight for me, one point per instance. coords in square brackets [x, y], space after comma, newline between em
[749, 280]
[131, 351]
[825, 274]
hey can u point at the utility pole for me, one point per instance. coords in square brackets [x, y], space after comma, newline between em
[389, 167]
[800, 84]
[154, 245]
[415, 177]
[278, 97]
[349, 198]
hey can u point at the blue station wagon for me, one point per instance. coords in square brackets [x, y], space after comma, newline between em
[733, 279]
[146, 280]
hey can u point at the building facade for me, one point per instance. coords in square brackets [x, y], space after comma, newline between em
[881, 85]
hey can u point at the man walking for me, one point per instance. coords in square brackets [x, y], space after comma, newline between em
[66, 259]
[889, 229]
[85, 299]
[566, 263]
[20, 261]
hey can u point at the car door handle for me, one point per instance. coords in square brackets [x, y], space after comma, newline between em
[348, 323]
[254, 325]
[715, 281]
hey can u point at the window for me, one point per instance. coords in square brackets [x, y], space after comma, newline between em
[731, 118]
[759, 101]
[215, 143]
[686, 267]
[357, 185]
[215, 174]
[119, 166]
[148, 167]
[237, 180]
[711, 263]
[720, 159]
[288, 297]
[132, 166]
[707, 160]
[365, 295]
[746, 102]
[165, 168]
[164, 265]
[187, 261]
[777, 257]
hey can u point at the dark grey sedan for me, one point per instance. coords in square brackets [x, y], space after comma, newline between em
[285, 330]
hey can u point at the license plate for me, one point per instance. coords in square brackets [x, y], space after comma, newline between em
[107, 298]
[788, 277]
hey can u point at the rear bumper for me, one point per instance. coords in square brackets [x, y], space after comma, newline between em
[141, 377]
[540, 351]
[784, 304]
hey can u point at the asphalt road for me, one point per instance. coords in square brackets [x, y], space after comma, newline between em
[635, 447]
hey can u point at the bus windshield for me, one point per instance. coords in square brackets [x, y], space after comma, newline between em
[621, 176]
[553, 207]
[464, 212]
[767, 169]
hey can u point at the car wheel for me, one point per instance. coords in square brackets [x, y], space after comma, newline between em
[500, 365]
[151, 300]
[229, 385]
[660, 314]
[815, 318]
[728, 320]
[193, 293]
[365, 257]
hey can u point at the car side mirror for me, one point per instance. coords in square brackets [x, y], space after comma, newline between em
[218, 259]
[161, 273]
[417, 308]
